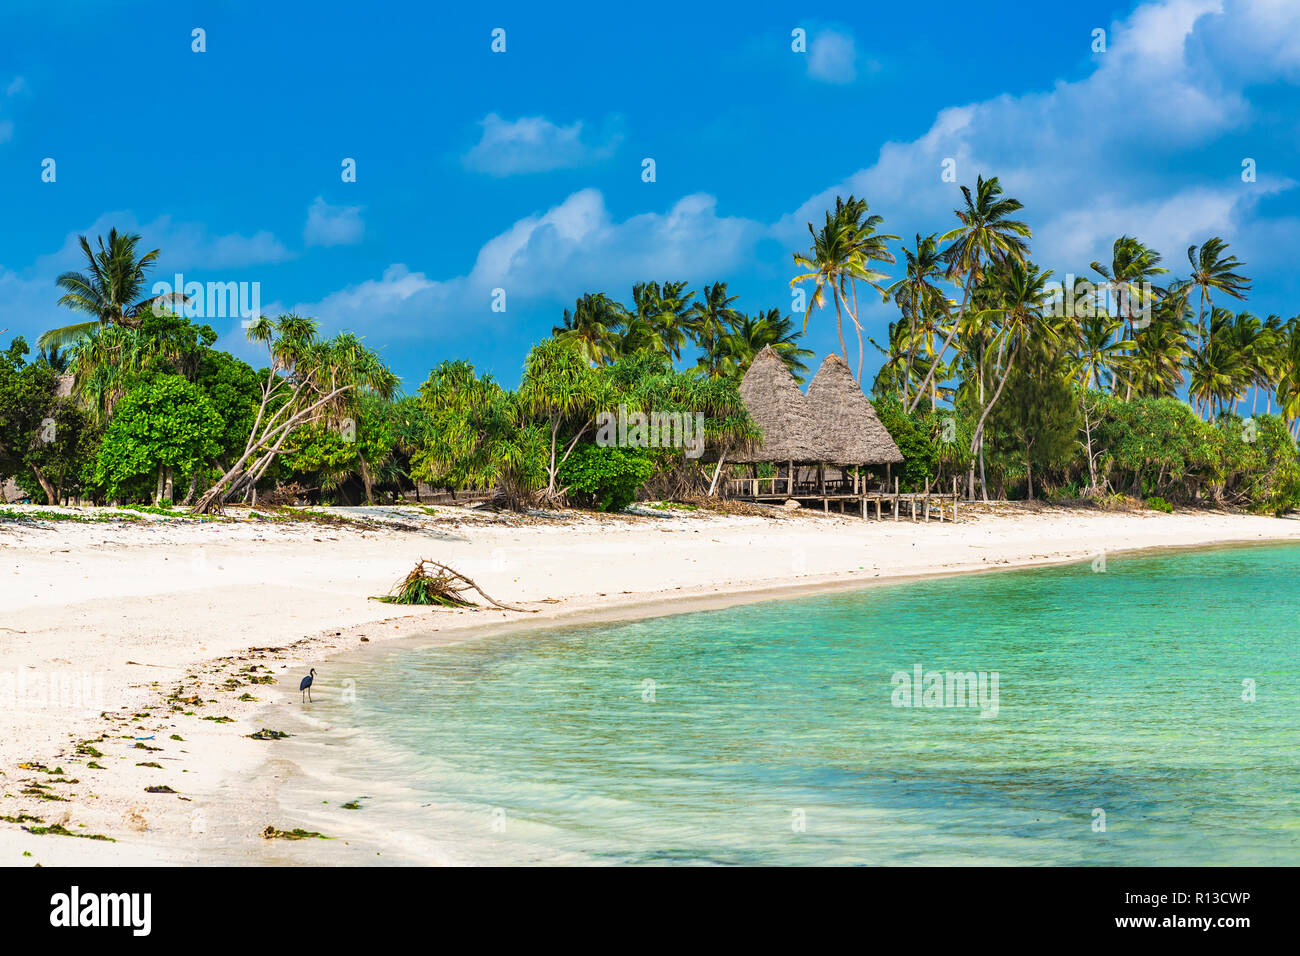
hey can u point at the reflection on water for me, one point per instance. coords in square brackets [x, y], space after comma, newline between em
[766, 733]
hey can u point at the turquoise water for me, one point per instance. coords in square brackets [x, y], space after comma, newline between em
[1119, 691]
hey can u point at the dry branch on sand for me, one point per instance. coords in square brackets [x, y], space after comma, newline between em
[431, 582]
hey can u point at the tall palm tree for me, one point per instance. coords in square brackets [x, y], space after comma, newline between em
[865, 247]
[1020, 293]
[1213, 269]
[593, 325]
[916, 294]
[985, 234]
[830, 259]
[711, 317]
[1288, 373]
[1132, 267]
[111, 290]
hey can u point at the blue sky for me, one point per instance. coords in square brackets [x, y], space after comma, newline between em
[522, 170]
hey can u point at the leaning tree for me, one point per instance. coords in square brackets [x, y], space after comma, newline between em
[310, 381]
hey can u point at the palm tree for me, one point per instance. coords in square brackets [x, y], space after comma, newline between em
[1217, 369]
[1161, 352]
[661, 318]
[831, 257]
[1132, 267]
[110, 290]
[750, 334]
[1212, 269]
[866, 246]
[593, 325]
[1288, 372]
[711, 317]
[1020, 291]
[1095, 352]
[985, 233]
[916, 294]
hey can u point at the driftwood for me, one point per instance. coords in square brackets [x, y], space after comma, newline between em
[431, 582]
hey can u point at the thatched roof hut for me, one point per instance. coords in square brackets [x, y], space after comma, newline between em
[847, 429]
[779, 407]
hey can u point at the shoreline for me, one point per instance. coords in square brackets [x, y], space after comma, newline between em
[236, 785]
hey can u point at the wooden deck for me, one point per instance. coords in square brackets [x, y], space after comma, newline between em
[918, 506]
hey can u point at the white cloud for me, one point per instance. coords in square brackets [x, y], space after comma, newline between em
[832, 57]
[549, 257]
[533, 144]
[1105, 155]
[332, 225]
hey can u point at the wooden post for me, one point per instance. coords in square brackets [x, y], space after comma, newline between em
[895, 497]
[789, 480]
[927, 501]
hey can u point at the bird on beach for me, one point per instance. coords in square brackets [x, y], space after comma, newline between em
[305, 686]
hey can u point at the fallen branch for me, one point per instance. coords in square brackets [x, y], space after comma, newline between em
[431, 582]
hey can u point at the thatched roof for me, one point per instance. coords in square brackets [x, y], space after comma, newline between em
[847, 429]
[779, 408]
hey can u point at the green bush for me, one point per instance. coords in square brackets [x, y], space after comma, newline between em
[605, 478]
[914, 438]
[1156, 503]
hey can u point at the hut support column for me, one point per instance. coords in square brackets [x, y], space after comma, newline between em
[789, 480]
[895, 497]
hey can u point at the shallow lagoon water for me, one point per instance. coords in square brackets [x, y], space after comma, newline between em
[770, 733]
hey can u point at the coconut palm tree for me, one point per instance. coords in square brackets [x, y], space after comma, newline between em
[750, 334]
[661, 319]
[111, 290]
[711, 317]
[1132, 267]
[986, 233]
[916, 294]
[1213, 269]
[835, 255]
[593, 325]
[1019, 293]
[1097, 354]
[866, 246]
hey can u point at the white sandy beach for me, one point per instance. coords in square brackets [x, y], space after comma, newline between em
[137, 612]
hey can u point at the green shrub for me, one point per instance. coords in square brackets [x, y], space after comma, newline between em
[605, 478]
[1156, 503]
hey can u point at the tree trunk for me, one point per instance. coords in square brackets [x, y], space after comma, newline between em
[717, 472]
[158, 490]
[168, 487]
[51, 494]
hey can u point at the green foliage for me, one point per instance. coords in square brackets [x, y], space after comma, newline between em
[915, 439]
[1156, 503]
[605, 478]
[163, 421]
[1036, 419]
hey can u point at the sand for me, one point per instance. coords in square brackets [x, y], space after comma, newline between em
[111, 630]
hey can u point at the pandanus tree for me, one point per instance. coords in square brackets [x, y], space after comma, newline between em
[110, 290]
[309, 381]
[562, 395]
